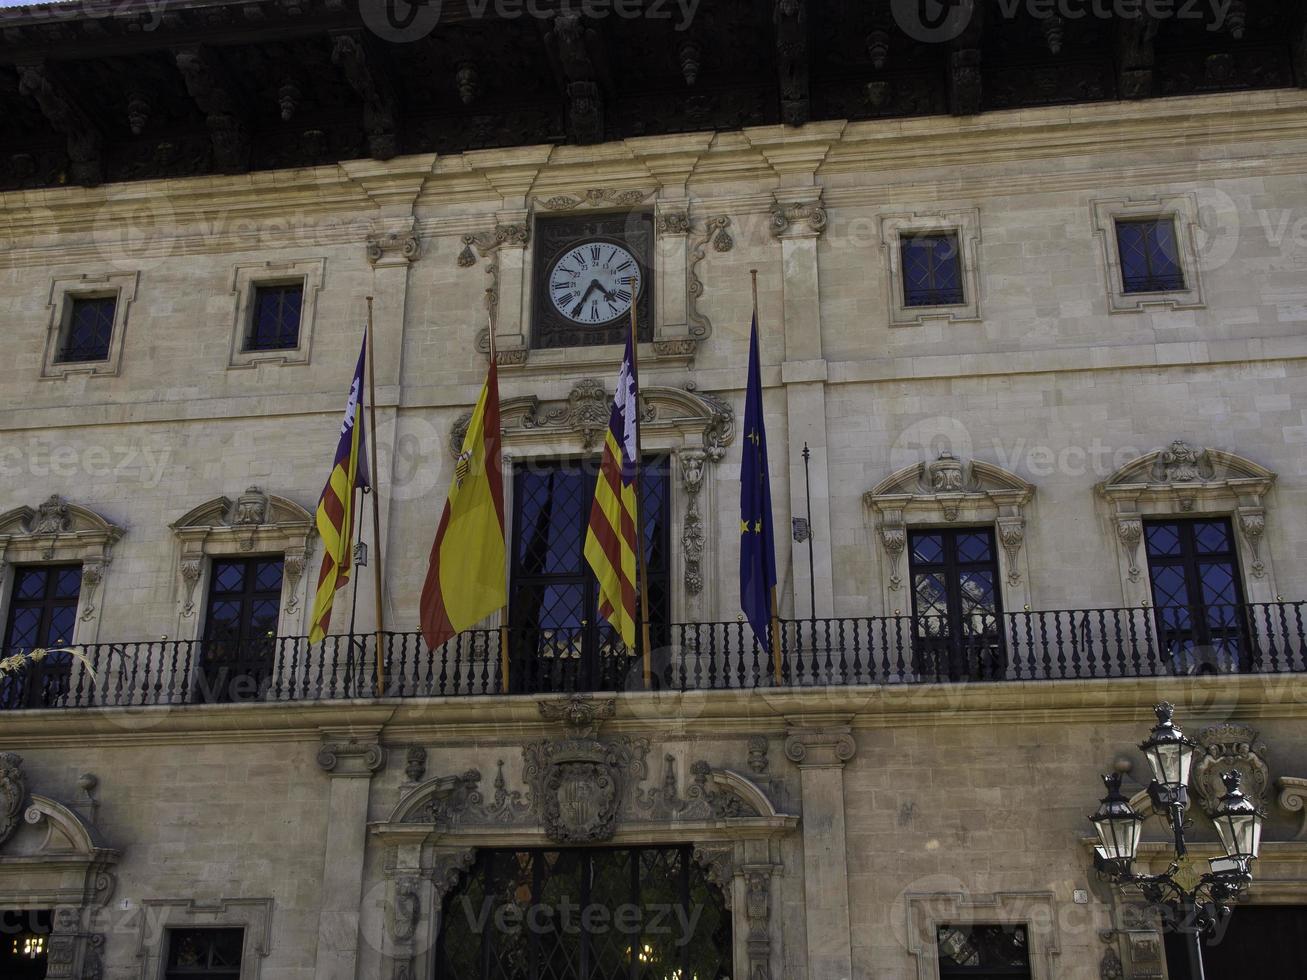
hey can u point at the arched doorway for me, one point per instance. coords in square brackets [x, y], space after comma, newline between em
[618, 913]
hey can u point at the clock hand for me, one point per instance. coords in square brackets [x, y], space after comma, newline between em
[584, 296]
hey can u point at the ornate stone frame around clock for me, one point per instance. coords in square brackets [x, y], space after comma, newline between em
[949, 492]
[423, 862]
[694, 427]
[59, 531]
[1186, 481]
[680, 247]
[255, 523]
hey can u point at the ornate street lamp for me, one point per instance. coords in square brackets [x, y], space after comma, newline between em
[1199, 899]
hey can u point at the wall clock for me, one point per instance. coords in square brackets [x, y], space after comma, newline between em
[589, 270]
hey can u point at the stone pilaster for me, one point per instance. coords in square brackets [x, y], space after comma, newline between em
[820, 754]
[351, 758]
[798, 220]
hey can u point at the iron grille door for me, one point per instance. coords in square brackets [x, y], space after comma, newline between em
[956, 604]
[42, 614]
[559, 641]
[1197, 594]
[640, 913]
[240, 628]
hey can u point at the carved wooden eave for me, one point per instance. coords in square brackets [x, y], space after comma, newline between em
[670, 418]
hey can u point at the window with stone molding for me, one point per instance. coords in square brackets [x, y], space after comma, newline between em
[1149, 253]
[1006, 934]
[932, 260]
[222, 939]
[87, 324]
[275, 306]
[983, 952]
[1181, 483]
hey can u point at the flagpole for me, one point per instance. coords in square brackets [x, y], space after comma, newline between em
[503, 612]
[376, 502]
[642, 568]
[775, 609]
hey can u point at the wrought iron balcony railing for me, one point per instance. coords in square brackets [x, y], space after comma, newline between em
[1262, 638]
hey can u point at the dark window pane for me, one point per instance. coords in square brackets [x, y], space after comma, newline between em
[213, 954]
[927, 549]
[275, 319]
[1163, 539]
[68, 582]
[228, 577]
[42, 614]
[31, 583]
[973, 548]
[1212, 538]
[90, 327]
[931, 594]
[1150, 261]
[240, 622]
[983, 951]
[932, 270]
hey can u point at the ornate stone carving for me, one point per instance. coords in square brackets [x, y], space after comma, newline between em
[718, 862]
[1182, 463]
[1230, 746]
[673, 223]
[13, 794]
[596, 197]
[1293, 798]
[366, 758]
[447, 868]
[581, 712]
[675, 346]
[250, 509]
[1109, 967]
[944, 475]
[1130, 530]
[692, 533]
[293, 568]
[1252, 522]
[1011, 535]
[757, 911]
[415, 763]
[453, 798]
[785, 216]
[483, 243]
[405, 910]
[715, 233]
[190, 578]
[92, 576]
[406, 245]
[758, 761]
[894, 538]
[51, 517]
[506, 806]
[820, 747]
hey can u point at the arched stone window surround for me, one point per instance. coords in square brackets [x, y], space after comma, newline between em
[55, 532]
[950, 492]
[431, 838]
[691, 426]
[54, 858]
[255, 523]
[1184, 481]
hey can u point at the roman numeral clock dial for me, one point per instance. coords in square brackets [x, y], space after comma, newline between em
[594, 283]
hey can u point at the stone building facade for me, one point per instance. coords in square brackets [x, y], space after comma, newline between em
[842, 824]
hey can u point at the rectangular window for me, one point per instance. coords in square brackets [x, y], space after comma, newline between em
[213, 954]
[1150, 258]
[275, 317]
[560, 640]
[983, 952]
[24, 943]
[1197, 593]
[42, 615]
[956, 602]
[932, 269]
[88, 330]
[240, 627]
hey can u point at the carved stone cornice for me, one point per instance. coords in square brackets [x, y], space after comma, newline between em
[595, 197]
[820, 748]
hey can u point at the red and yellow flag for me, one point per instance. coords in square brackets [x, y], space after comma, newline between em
[610, 540]
[466, 579]
[335, 517]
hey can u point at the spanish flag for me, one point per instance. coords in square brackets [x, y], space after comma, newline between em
[465, 581]
[610, 540]
[335, 517]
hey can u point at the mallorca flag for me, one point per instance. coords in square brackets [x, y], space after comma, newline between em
[335, 518]
[757, 536]
[610, 540]
[465, 581]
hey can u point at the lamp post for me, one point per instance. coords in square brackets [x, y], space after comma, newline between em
[1200, 899]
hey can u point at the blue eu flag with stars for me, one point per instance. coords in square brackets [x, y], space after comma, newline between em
[757, 535]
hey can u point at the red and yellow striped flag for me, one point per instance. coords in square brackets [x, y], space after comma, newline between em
[335, 517]
[466, 579]
[610, 542]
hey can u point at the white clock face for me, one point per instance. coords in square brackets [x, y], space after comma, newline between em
[594, 282]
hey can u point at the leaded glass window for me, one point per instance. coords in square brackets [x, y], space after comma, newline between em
[932, 269]
[89, 329]
[275, 317]
[240, 627]
[983, 952]
[559, 640]
[956, 603]
[1197, 593]
[210, 954]
[42, 615]
[1150, 258]
[639, 913]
